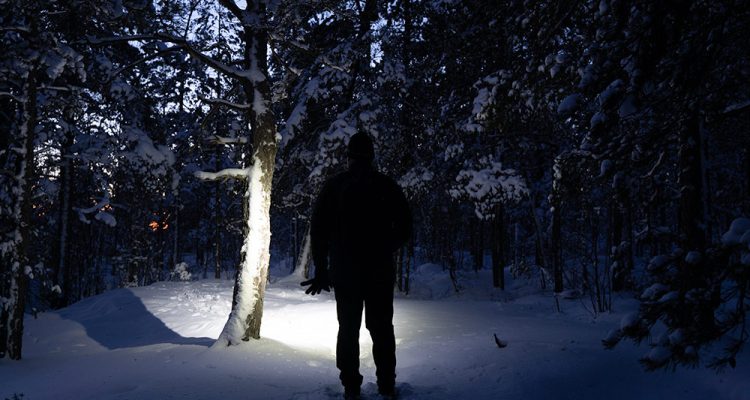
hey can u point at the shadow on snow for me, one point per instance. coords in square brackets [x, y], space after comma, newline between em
[121, 320]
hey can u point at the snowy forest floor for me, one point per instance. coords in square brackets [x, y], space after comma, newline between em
[154, 343]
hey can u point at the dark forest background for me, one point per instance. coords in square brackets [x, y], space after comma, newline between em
[597, 146]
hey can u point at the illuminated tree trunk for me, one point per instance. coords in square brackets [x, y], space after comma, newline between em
[247, 305]
[303, 261]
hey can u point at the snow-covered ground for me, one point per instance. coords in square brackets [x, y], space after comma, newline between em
[154, 343]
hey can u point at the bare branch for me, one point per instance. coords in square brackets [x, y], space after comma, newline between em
[118, 39]
[287, 67]
[144, 59]
[737, 107]
[226, 103]
[217, 65]
[19, 29]
[193, 6]
[327, 62]
[215, 107]
[295, 43]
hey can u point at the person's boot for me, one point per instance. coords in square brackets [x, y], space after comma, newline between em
[387, 391]
[351, 393]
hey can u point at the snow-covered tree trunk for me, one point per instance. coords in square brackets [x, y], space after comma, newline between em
[247, 306]
[302, 267]
[11, 318]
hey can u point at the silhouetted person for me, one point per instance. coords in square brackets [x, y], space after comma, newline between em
[360, 219]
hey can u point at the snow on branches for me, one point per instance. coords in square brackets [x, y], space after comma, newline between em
[100, 210]
[696, 309]
[487, 185]
[416, 181]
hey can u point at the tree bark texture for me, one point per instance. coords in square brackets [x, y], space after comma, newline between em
[11, 324]
[247, 306]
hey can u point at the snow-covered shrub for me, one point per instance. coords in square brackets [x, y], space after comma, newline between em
[181, 272]
[701, 298]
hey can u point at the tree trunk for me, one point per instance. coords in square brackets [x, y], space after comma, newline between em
[11, 323]
[176, 258]
[498, 244]
[556, 247]
[476, 242]
[218, 222]
[61, 265]
[295, 252]
[409, 261]
[247, 306]
[690, 181]
[538, 244]
[616, 266]
[303, 259]
[362, 45]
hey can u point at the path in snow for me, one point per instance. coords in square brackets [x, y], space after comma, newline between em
[154, 343]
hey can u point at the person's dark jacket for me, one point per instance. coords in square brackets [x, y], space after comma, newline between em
[360, 219]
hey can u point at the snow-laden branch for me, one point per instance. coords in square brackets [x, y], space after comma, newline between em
[228, 173]
[100, 215]
[488, 184]
[226, 103]
[13, 97]
[228, 140]
[56, 88]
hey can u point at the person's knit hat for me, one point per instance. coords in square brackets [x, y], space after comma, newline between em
[361, 147]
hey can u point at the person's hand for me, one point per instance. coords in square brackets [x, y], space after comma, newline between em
[317, 285]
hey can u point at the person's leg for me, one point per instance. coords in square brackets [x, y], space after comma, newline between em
[379, 321]
[349, 313]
